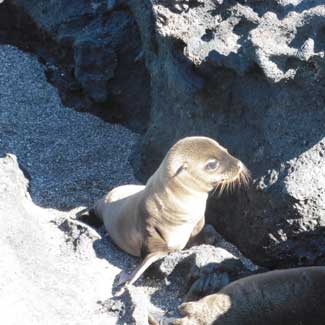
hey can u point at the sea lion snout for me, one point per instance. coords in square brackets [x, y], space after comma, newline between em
[239, 174]
[232, 173]
[233, 169]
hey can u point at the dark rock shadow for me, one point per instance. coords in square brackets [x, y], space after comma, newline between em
[129, 100]
[266, 124]
[301, 249]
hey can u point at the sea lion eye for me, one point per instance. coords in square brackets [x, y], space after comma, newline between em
[212, 164]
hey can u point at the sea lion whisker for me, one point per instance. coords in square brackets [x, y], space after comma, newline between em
[227, 187]
[247, 177]
[232, 186]
[222, 188]
[214, 190]
[244, 178]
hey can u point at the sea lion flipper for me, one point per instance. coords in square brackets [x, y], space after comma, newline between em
[148, 260]
[123, 277]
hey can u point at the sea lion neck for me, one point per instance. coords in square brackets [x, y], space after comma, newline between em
[190, 186]
[183, 185]
[177, 202]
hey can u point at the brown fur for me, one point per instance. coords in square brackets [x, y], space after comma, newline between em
[282, 297]
[161, 217]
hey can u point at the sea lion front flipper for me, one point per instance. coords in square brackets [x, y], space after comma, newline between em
[148, 260]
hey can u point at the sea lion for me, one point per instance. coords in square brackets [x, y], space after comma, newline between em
[281, 297]
[152, 220]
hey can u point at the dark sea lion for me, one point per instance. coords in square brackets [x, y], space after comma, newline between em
[152, 220]
[281, 297]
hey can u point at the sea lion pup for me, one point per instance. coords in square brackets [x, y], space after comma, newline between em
[281, 297]
[152, 220]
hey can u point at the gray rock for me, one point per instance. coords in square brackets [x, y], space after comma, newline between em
[43, 280]
[142, 312]
[203, 269]
[71, 158]
[251, 75]
[166, 266]
[95, 65]
[98, 44]
[205, 255]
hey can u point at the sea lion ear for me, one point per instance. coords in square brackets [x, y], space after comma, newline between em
[181, 168]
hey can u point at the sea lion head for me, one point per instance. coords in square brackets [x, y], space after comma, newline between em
[203, 164]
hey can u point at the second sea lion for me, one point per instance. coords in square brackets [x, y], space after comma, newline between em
[282, 297]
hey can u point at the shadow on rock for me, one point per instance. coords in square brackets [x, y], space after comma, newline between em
[255, 82]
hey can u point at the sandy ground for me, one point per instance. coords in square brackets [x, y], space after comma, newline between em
[52, 274]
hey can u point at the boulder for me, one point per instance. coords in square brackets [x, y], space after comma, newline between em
[42, 277]
[99, 47]
[251, 75]
[204, 269]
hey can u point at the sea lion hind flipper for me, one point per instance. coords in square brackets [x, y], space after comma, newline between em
[148, 260]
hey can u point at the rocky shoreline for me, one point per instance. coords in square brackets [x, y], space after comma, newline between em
[93, 94]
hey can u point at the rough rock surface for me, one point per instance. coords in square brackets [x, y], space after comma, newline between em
[214, 252]
[250, 74]
[54, 269]
[205, 269]
[63, 153]
[99, 46]
[43, 280]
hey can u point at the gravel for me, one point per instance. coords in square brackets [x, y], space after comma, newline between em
[71, 158]
[56, 270]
